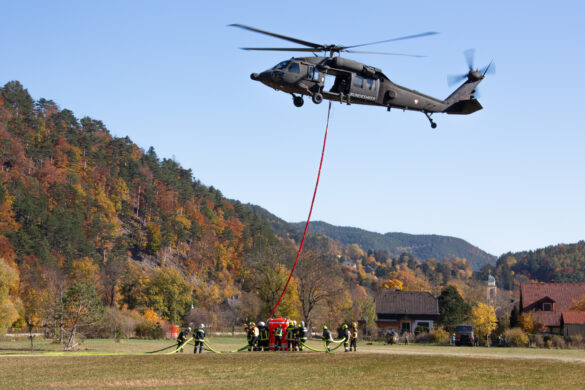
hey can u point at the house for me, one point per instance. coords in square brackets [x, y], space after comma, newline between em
[573, 323]
[403, 311]
[551, 304]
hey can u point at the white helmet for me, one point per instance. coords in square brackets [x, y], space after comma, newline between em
[189, 329]
[261, 323]
[202, 326]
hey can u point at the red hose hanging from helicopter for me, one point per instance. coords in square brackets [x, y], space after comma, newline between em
[292, 271]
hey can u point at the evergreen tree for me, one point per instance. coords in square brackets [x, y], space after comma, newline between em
[453, 310]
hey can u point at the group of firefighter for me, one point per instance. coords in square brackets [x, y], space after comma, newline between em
[296, 336]
[258, 337]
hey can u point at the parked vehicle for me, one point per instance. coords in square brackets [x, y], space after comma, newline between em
[464, 335]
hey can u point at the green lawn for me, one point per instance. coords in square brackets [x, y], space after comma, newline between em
[374, 366]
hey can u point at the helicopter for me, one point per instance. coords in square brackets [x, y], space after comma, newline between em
[358, 83]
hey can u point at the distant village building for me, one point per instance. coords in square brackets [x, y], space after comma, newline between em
[403, 311]
[551, 304]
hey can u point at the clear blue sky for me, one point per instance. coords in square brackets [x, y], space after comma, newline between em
[170, 75]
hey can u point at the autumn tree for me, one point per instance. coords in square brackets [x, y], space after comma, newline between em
[132, 286]
[81, 307]
[483, 318]
[169, 293]
[34, 295]
[8, 286]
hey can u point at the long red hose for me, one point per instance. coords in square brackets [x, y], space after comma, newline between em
[308, 218]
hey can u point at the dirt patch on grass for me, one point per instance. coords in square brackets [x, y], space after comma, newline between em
[142, 383]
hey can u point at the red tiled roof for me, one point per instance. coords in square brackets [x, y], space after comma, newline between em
[574, 317]
[565, 295]
[394, 302]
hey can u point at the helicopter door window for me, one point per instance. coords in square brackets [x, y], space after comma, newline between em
[358, 81]
[370, 84]
[294, 68]
[313, 74]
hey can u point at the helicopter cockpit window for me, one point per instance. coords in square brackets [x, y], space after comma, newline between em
[282, 65]
[294, 67]
[358, 81]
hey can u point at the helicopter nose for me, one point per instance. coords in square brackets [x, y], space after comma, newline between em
[255, 76]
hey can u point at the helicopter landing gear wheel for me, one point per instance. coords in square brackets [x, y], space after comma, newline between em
[298, 101]
[317, 98]
[433, 124]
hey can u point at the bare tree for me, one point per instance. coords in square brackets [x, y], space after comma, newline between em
[318, 280]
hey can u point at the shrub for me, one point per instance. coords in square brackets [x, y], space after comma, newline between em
[576, 341]
[516, 337]
[558, 342]
[148, 330]
[439, 336]
[422, 338]
[537, 340]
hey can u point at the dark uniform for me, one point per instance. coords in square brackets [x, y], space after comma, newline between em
[199, 339]
[327, 337]
[353, 338]
[346, 334]
[181, 338]
[263, 338]
[277, 338]
[253, 334]
[302, 334]
[290, 336]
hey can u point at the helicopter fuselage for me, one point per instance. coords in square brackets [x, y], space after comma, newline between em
[354, 83]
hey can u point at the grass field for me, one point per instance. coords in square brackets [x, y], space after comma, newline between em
[373, 366]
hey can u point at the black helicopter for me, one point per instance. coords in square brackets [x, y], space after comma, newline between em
[359, 83]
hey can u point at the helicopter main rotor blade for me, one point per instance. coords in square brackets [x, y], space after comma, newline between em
[282, 49]
[384, 53]
[295, 40]
[394, 39]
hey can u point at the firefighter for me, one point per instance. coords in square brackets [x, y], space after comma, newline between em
[199, 337]
[290, 336]
[346, 334]
[182, 337]
[252, 337]
[263, 338]
[353, 337]
[302, 334]
[327, 337]
[277, 338]
[295, 337]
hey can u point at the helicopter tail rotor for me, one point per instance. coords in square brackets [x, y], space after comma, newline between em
[473, 74]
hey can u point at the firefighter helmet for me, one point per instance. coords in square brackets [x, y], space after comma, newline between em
[202, 326]
[344, 326]
[261, 323]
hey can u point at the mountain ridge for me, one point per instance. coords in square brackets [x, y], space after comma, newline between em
[422, 246]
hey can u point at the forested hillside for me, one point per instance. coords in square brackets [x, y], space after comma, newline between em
[563, 263]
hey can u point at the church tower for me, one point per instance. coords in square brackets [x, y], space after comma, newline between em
[491, 290]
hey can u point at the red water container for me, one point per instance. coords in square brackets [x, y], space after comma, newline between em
[272, 324]
[173, 332]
